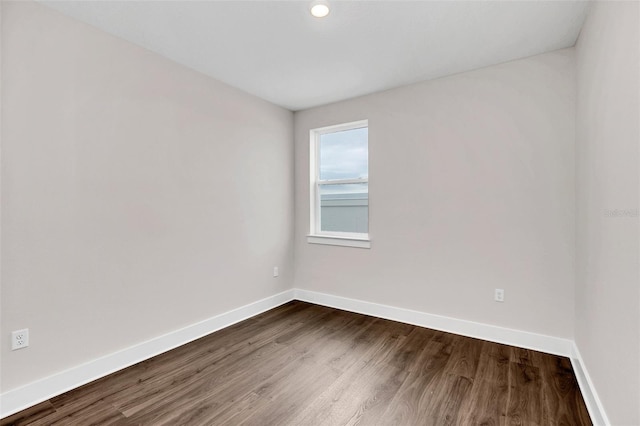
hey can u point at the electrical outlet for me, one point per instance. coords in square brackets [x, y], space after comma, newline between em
[499, 295]
[19, 339]
[275, 271]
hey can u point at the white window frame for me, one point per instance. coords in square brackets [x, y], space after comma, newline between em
[316, 235]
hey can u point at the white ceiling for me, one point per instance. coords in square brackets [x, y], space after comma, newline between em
[276, 50]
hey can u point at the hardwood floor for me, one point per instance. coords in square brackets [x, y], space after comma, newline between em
[303, 364]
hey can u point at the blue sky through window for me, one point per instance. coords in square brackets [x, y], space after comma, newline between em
[344, 155]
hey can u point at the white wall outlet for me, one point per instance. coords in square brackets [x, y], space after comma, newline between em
[276, 272]
[499, 295]
[19, 339]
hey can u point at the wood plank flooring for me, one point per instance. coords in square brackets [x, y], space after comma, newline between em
[303, 364]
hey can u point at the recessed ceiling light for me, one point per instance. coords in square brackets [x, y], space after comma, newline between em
[319, 8]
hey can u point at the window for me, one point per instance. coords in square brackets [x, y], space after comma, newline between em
[340, 185]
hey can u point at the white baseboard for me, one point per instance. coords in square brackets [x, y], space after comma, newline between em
[591, 399]
[507, 336]
[31, 394]
[26, 396]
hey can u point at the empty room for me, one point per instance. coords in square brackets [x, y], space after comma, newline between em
[320, 212]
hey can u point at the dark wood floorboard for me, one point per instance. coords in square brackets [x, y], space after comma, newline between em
[304, 364]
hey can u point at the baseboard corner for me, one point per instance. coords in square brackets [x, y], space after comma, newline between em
[591, 399]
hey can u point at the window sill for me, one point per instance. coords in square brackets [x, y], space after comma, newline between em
[339, 241]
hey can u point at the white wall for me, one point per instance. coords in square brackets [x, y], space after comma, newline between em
[608, 280]
[138, 196]
[471, 188]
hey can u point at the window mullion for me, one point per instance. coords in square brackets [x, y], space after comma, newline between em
[342, 181]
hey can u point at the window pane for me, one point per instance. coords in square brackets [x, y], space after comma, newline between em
[344, 155]
[344, 208]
